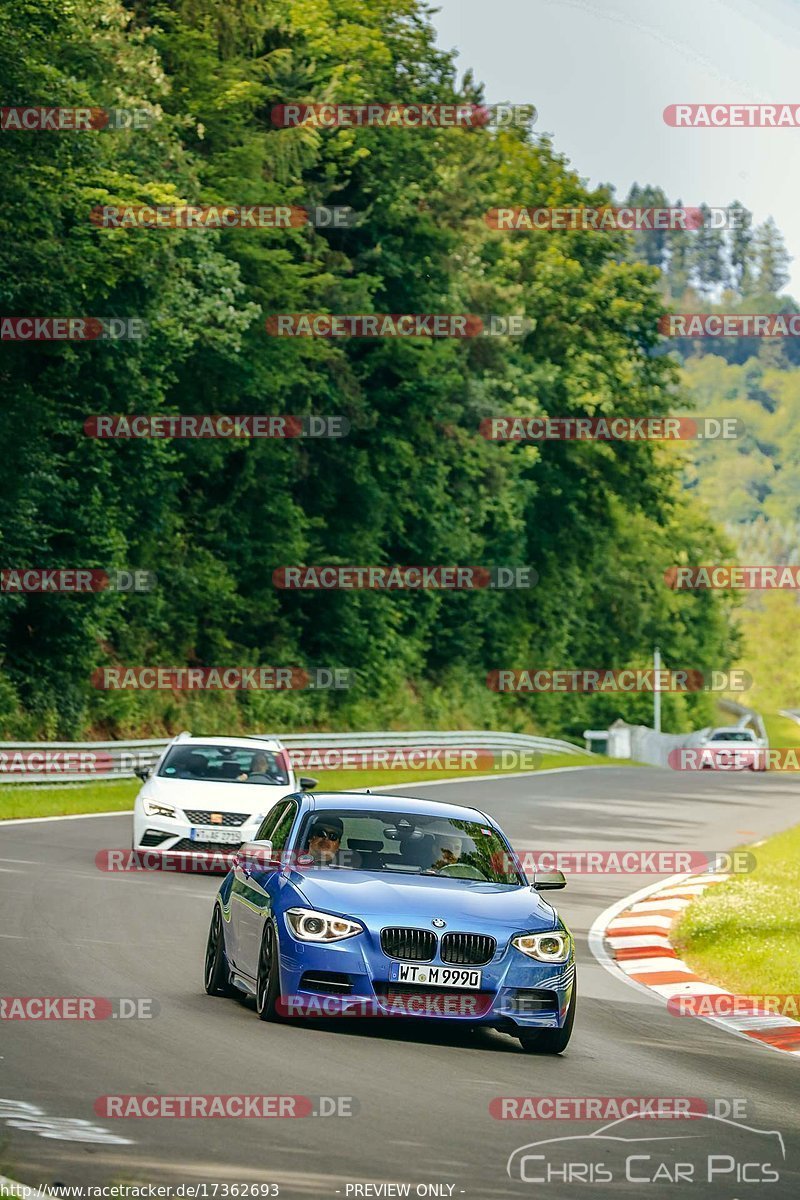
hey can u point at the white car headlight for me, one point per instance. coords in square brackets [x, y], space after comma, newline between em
[545, 947]
[155, 808]
[311, 926]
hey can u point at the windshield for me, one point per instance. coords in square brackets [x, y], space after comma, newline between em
[733, 735]
[408, 844]
[225, 764]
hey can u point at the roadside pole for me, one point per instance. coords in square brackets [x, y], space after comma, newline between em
[656, 690]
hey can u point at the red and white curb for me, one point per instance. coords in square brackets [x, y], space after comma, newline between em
[631, 940]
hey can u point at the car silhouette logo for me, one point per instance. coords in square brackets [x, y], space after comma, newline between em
[438, 922]
[613, 1135]
[216, 818]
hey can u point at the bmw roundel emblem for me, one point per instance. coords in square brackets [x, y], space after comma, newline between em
[438, 922]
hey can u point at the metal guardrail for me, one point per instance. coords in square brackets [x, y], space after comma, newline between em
[747, 716]
[649, 746]
[77, 762]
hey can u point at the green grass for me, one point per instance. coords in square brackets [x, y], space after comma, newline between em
[744, 935]
[19, 800]
[781, 731]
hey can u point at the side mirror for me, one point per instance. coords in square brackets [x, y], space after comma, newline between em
[252, 856]
[143, 773]
[307, 784]
[548, 881]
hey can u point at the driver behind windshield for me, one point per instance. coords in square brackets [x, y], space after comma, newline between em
[324, 840]
[259, 770]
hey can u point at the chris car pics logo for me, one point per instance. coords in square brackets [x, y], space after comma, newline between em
[716, 1151]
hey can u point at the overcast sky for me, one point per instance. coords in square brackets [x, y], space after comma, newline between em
[601, 72]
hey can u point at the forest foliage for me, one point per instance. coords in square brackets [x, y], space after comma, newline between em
[413, 482]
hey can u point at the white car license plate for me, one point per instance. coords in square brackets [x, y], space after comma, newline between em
[216, 835]
[461, 977]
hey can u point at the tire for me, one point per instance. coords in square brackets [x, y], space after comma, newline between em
[268, 984]
[550, 1041]
[216, 974]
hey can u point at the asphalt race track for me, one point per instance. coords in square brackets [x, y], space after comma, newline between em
[422, 1090]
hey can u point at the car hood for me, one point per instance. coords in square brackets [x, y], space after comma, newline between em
[400, 899]
[213, 796]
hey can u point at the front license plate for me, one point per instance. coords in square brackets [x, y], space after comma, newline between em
[460, 977]
[216, 835]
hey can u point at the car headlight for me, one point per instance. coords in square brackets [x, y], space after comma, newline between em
[154, 808]
[311, 926]
[546, 947]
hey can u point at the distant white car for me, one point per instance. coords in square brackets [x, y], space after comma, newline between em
[731, 746]
[210, 794]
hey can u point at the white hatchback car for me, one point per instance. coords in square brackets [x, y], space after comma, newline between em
[211, 793]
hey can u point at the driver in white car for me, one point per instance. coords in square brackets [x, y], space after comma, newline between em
[259, 770]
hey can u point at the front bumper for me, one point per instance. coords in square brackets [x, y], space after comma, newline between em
[163, 834]
[729, 759]
[516, 991]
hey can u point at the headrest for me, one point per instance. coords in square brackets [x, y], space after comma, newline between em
[363, 844]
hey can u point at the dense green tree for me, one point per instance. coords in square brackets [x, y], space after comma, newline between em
[649, 245]
[771, 259]
[413, 483]
[708, 258]
[740, 250]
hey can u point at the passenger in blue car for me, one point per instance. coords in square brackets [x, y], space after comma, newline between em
[449, 849]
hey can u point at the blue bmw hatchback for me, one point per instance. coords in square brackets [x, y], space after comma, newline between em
[354, 904]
